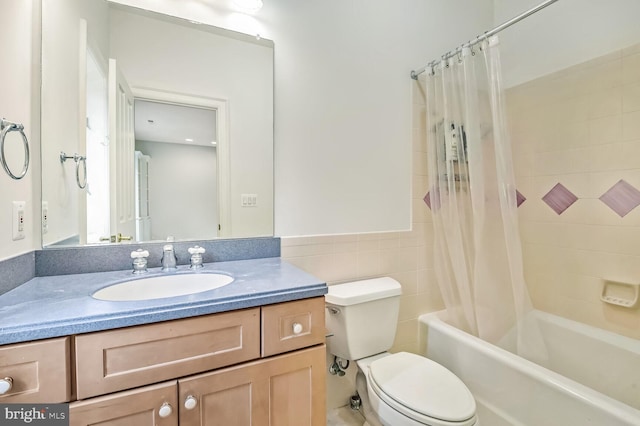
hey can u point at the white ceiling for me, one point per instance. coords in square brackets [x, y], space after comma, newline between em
[171, 123]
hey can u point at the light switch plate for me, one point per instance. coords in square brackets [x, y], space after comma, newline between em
[249, 200]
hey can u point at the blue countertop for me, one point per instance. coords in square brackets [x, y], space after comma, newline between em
[62, 305]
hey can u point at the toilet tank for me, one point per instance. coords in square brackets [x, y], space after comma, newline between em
[362, 316]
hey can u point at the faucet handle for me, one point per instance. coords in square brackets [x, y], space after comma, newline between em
[139, 254]
[196, 253]
[139, 261]
[196, 250]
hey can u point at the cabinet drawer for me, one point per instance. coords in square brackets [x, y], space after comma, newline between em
[292, 325]
[109, 361]
[40, 371]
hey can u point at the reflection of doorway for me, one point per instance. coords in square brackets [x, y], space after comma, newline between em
[183, 144]
[97, 151]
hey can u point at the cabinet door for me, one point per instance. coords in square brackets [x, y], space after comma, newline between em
[154, 405]
[296, 388]
[287, 390]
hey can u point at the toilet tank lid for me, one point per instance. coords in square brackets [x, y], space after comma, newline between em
[362, 291]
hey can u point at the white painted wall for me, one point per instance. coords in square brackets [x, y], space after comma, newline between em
[214, 67]
[342, 100]
[343, 106]
[19, 102]
[182, 190]
[60, 102]
[565, 33]
[308, 199]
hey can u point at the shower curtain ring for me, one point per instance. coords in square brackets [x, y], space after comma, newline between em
[445, 59]
[485, 39]
[431, 65]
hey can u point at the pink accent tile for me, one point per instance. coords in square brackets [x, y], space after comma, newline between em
[432, 204]
[559, 198]
[621, 198]
[519, 199]
[427, 199]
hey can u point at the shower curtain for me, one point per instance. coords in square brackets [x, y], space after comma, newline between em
[472, 195]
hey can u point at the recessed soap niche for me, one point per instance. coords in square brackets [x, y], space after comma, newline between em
[620, 293]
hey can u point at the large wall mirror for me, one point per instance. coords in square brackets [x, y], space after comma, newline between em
[152, 127]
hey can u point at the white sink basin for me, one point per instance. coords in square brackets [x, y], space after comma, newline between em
[161, 286]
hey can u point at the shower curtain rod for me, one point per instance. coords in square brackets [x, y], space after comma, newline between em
[415, 73]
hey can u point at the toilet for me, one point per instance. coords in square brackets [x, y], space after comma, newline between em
[400, 389]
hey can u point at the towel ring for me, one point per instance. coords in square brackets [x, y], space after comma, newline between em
[83, 160]
[8, 126]
[78, 159]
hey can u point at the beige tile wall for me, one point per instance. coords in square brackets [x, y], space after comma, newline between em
[580, 127]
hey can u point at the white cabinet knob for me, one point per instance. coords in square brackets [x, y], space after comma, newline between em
[190, 402]
[165, 410]
[5, 385]
[297, 328]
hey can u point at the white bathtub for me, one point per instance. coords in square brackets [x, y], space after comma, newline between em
[523, 393]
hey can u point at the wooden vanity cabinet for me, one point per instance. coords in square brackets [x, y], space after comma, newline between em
[287, 389]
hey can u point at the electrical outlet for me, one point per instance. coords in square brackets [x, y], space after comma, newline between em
[45, 217]
[18, 219]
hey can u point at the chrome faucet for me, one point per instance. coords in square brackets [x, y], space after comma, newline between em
[169, 260]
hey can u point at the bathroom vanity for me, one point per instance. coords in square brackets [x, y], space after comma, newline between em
[257, 357]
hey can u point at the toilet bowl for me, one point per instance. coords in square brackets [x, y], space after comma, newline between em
[400, 389]
[405, 389]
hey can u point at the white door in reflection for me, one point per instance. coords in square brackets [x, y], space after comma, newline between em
[121, 154]
[97, 148]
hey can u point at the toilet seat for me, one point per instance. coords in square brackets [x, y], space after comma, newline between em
[422, 390]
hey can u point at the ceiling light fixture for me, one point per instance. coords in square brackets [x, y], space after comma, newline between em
[188, 140]
[251, 6]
